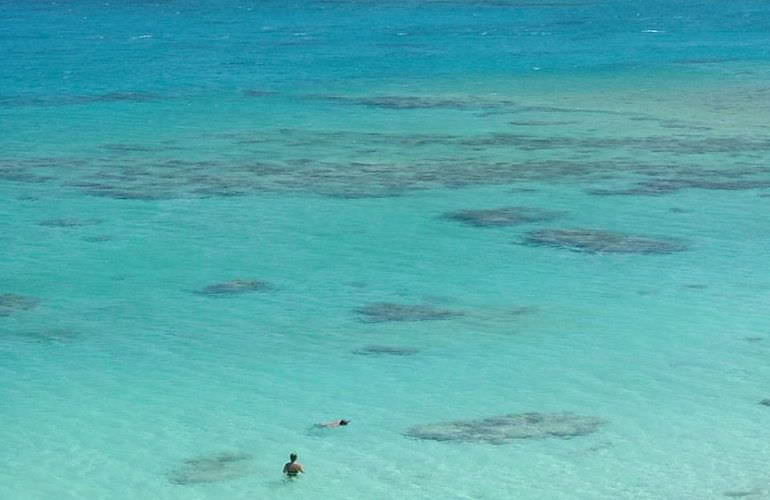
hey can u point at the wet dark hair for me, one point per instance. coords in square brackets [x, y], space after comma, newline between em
[344, 422]
[292, 456]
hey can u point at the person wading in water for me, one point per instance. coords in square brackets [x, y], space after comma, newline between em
[293, 468]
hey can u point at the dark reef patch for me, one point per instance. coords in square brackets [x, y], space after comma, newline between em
[74, 99]
[541, 123]
[683, 125]
[522, 310]
[642, 189]
[505, 428]
[120, 97]
[128, 193]
[507, 216]
[20, 175]
[380, 164]
[11, 303]
[667, 186]
[135, 148]
[704, 60]
[357, 194]
[100, 238]
[683, 144]
[746, 493]
[70, 222]
[233, 287]
[211, 469]
[380, 312]
[258, 93]
[44, 336]
[386, 350]
[601, 241]
[765, 402]
[405, 102]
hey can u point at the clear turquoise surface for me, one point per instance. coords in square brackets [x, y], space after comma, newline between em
[324, 153]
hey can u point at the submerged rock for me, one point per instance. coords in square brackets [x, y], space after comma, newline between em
[387, 311]
[600, 241]
[379, 350]
[11, 303]
[507, 216]
[233, 287]
[220, 467]
[505, 428]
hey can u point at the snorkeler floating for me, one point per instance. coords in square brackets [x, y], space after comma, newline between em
[333, 423]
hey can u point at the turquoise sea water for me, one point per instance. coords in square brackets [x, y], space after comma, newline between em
[320, 149]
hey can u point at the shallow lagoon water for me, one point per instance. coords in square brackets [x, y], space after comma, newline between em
[132, 180]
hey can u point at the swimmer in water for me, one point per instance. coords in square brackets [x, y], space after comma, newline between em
[334, 423]
[293, 468]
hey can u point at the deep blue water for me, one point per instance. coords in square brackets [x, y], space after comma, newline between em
[54, 50]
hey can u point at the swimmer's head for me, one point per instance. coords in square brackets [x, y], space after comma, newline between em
[293, 457]
[344, 422]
